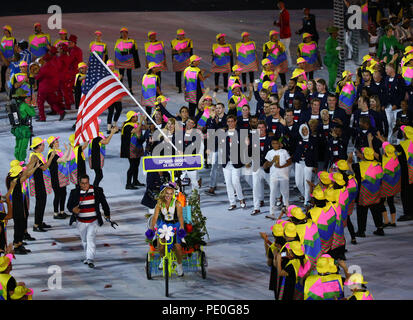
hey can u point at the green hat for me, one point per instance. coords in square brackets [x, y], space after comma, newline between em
[20, 93]
[332, 29]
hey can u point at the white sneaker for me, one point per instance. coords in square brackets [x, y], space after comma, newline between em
[279, 203]
[160, 267]
[179, 270]
[242, 204]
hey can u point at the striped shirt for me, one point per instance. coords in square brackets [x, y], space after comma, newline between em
[87, 212]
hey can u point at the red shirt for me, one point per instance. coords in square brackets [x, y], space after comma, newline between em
[284, 24]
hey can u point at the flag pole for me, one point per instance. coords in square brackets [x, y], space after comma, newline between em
[133, 98]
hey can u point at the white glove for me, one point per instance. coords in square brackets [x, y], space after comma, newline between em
[339, 48]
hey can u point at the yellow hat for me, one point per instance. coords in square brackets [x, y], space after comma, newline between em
[20, 292]
[408, 131]
[110, 63]
[273, 32]
[301, 60]
[346, 73]
[407, 50]
[23, 64]
[306, 35]
[194, 57]
[51, 139]
[14, 163]
[318, 194]
[152, 65]
[36, 141]
[124, 29]
[7, 27]
[297, 72]
[62, 31]
[236, 68]
[244, 34]
[37, 24]
[324, 177]
[388, 148]
[265, 61]
[277, 230]
[367, 57]
[338, 178]
[267, 84]
[220, 35]
[72, 139]
[97, 32]
[298, 213]
[368, 153]
[332, 266]
[343, 165]
[81, 65]
[323, 265]
[296, 248]
[15, 171]
[151, 33]
[130, 114]
[290, 230]
[331, 195]
[162, 99]
[180, 31]
[4, 263]
[355, 278]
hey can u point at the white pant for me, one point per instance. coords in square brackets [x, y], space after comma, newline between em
[258, 178]
[277, 187]
[233, 183]
[87, 233]
[286, 43]
[247, 174]
[391, 119]
[302, 174]
[193, 175]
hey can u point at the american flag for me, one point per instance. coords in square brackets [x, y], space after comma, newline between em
[101, 89]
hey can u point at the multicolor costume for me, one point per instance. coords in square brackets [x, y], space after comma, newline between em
[155, 52]
[309, 51]
[277, 55]
[181, 61]
[38, 44]
[194, 87]
[124, 53]
[149, 84]
[246, 56]
[221, 58]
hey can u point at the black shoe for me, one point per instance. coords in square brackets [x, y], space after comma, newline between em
[62, 116]
[386, 225]
[256, 212]
[20, 250]
[210, 191]
[3, 90]
[225, 90]
[379, 232]
[360, 234]
[28, 237]
[59, 216]
[405, 217]
[46, 226]
[39, 229]
[130, 187]
[74, 127]
[91, 265]
[64, 215]
[108, 132]
[353, 241]
[27, 250]
[216, 89]
[24, 243]
[392, 225]
[179, 90]
[138, 184]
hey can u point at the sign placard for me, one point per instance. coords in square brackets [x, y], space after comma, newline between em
[178, 162]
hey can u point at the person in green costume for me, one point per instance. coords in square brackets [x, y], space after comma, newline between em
[388, 45]
[331, 59]
[22, 132]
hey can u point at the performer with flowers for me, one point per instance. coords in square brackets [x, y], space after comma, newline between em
[167, 217]
[182, 50]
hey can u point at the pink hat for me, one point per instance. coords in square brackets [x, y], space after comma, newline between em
[385, 144]
[290, 208]
[97, 32]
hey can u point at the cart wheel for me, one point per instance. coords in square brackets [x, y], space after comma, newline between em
[166, 272]
[203, 265]
[148, 267]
